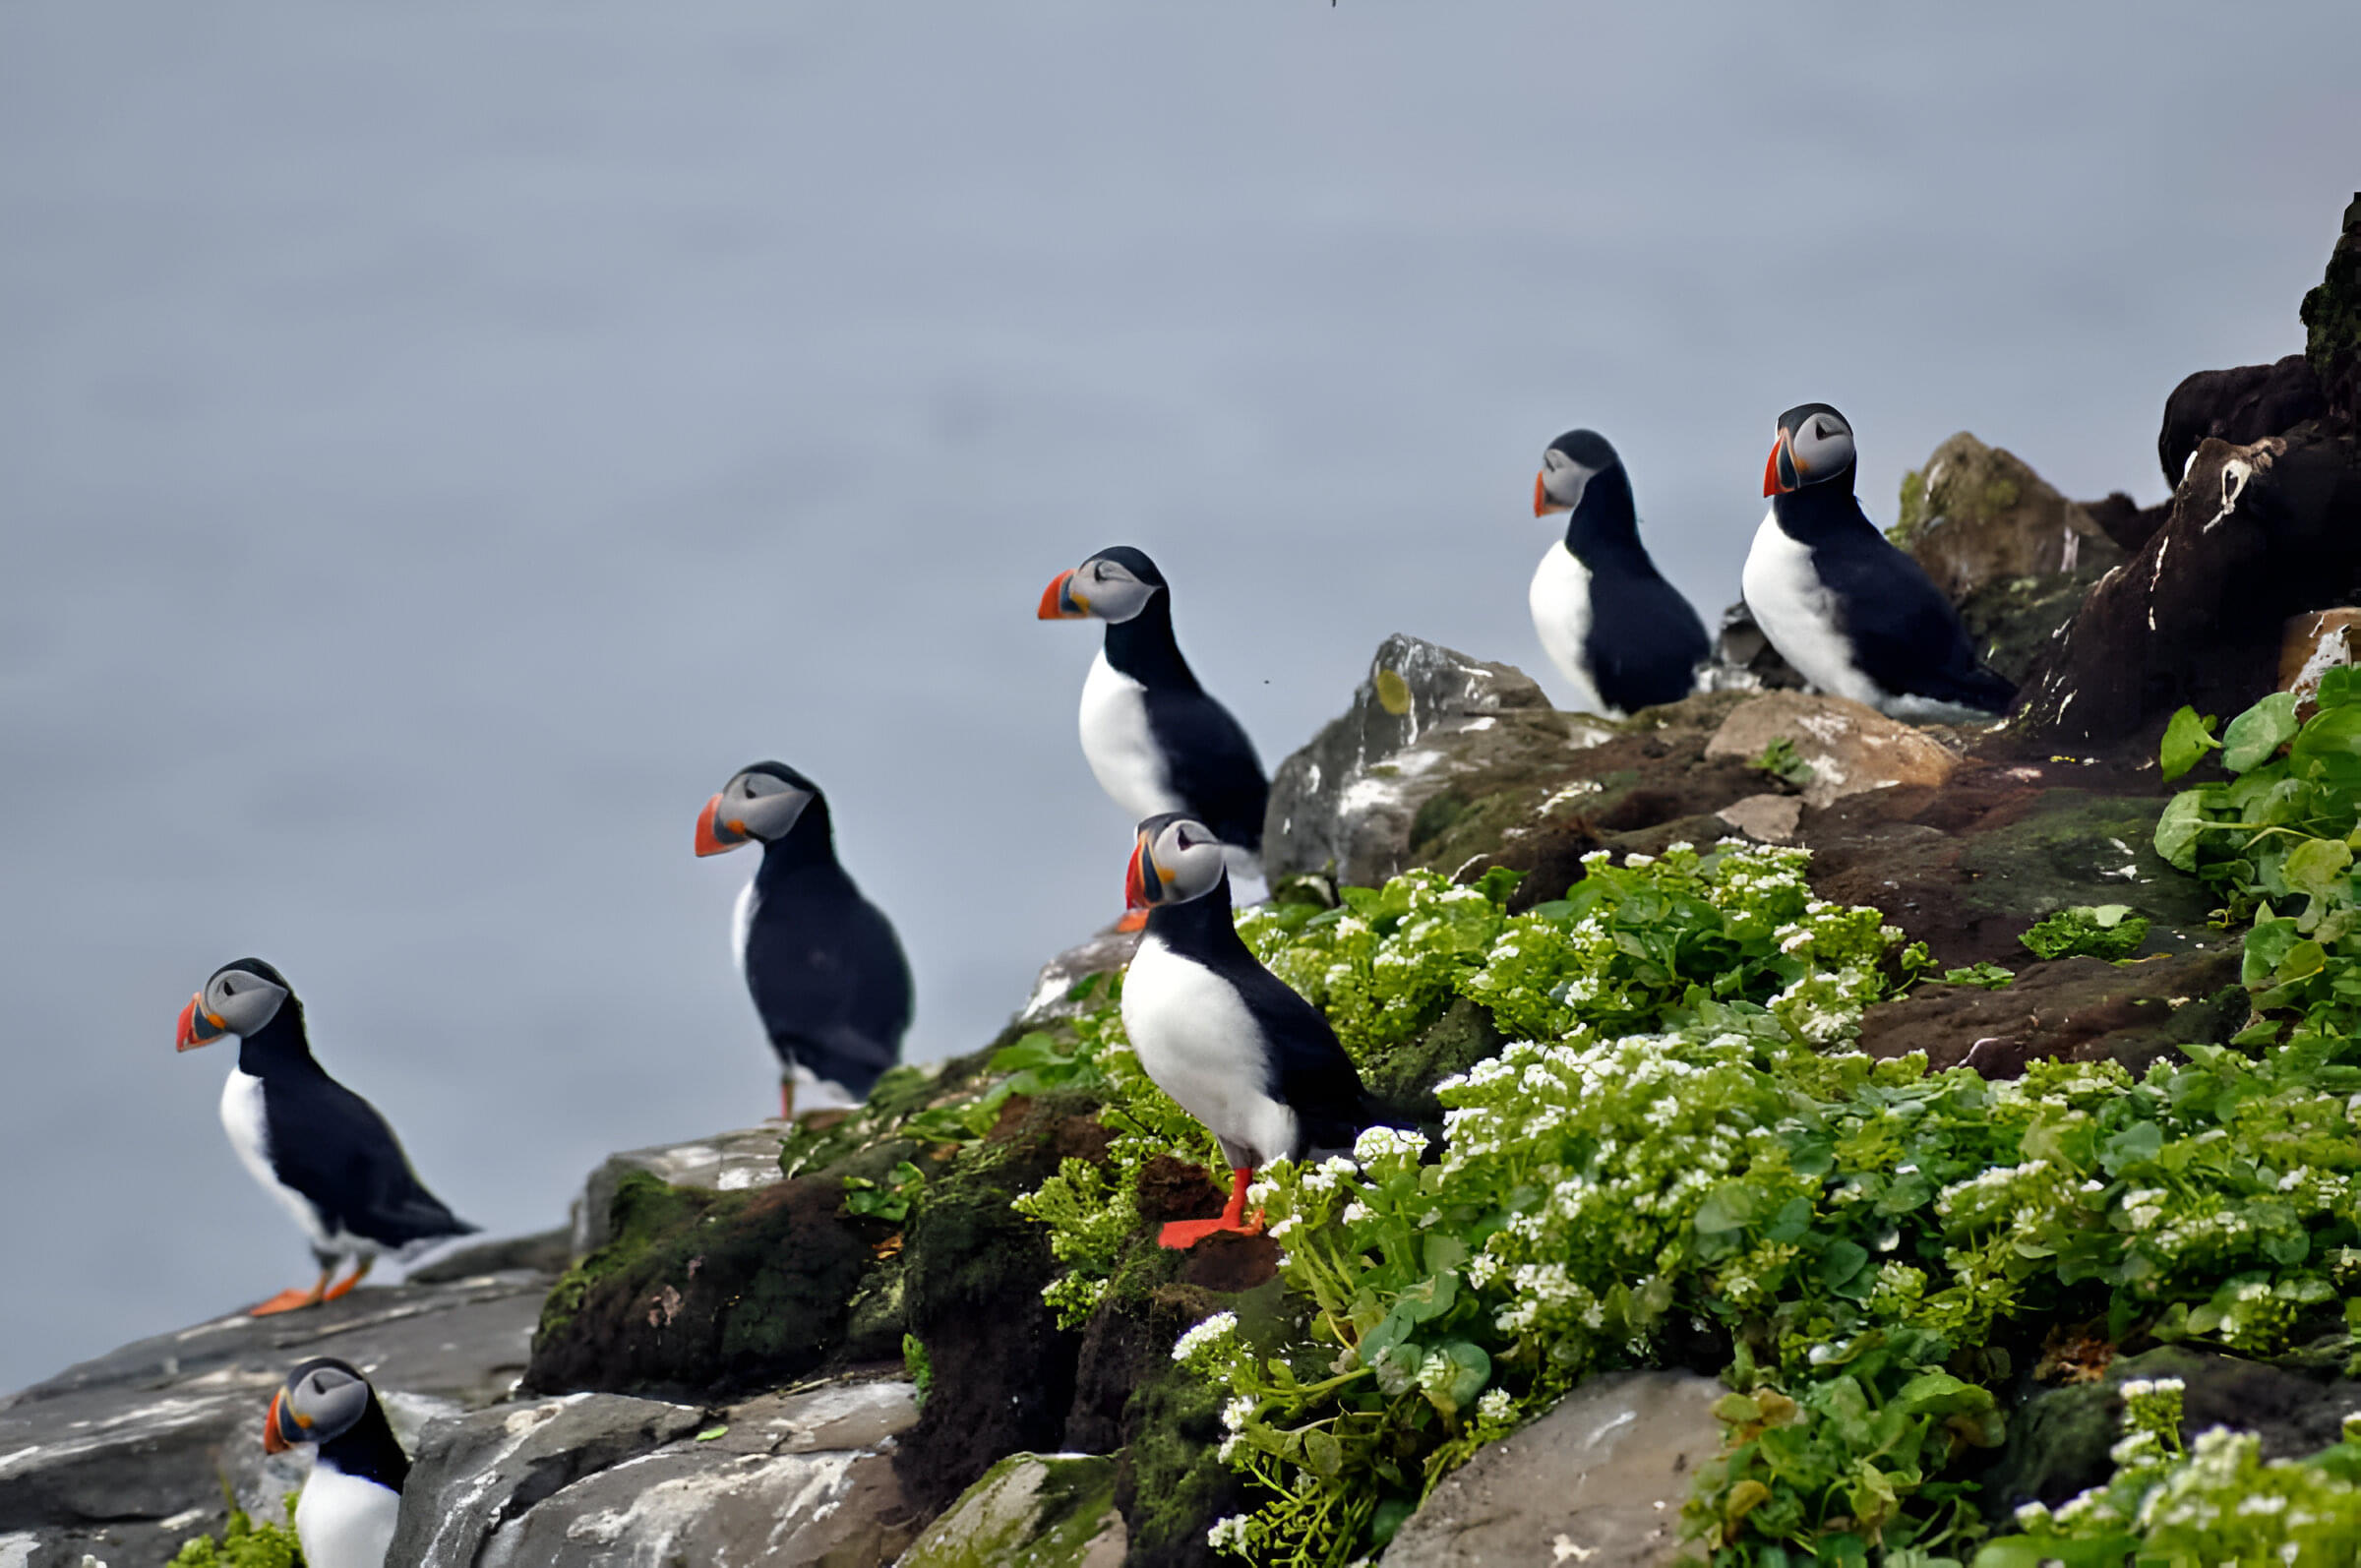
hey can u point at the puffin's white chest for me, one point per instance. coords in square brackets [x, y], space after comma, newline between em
[1196, 1039]
[1560, 600]
[248, 1128]
[742, 923]
[1799, 615]
[1121, 748]
[344, 1522]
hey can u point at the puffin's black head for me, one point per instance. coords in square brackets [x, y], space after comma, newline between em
[238, 999]
[1814, 446]
[1567, 466]
[321, 1400]
[1114, 586]
[761, 803]
[1176, 859]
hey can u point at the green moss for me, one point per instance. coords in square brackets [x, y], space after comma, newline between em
[1403, 1075]
[1436, 818]
[1909, 516]
[243, 1544]
[644, 1212]
[1042, 1510]
[2332, 311]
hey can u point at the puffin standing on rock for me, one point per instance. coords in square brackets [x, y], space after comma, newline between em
[1155, 740]
[319, 1149]
[1853, 614]
[823, 963]
[1226, 1038]
[346, 1514]
[1607, 618]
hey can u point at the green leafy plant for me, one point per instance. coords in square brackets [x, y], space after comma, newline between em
[1781, 761]
[888, 1200]
[243, 1544]
[920, 1368]
[2215, 1501]
[2103, 931]
[1984, 977]
[2276, 843]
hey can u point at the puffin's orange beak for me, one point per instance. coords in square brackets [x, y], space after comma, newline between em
[272, 1443]
[1054, 605]
[1540, 496]
[714, 836]
[1136, 883]
[1778, 478]
[195, 1026]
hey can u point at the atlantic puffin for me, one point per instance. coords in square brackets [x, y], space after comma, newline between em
[1854, 614]
[347, 1513]
[1226, 1038]
[1614, 628]
[823, 963]
[1154, 737]
[320, 1150]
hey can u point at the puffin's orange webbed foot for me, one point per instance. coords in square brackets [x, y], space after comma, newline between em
[287, 1301]
[344, 1287]
[1180, 1234]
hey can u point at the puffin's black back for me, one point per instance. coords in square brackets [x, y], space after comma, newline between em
[1905, 633]
[1645, 641]
[1210, 762]
[333, 1147]
[1308, 1065]
[823, 963]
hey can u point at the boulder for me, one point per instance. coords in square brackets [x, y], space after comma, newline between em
[2258, 533]
[1351, 802]
[727, 1162]
[1976, 516]
[589, 1480]
[1598, 1480]
[1848, 748]
[2314, 643]
[2058, 1438]
[1052, 995]
[2075, 1009]
[125, 1455]
[1041, 1510]
[2240, 406]
[2332, 317]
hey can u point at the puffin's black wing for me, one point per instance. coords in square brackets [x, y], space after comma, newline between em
[828, 977]
[1645, 641]
[332, 1146]
[1308, 1067]
[1210, 764]
[1904, 634]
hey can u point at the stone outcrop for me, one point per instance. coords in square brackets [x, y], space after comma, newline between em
[1598, 1480]
[1975, 516]
[1842, 747]
[1042, 1510]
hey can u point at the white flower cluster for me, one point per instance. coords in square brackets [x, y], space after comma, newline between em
[1205, 1336]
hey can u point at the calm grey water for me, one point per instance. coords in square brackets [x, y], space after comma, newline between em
[438, 444]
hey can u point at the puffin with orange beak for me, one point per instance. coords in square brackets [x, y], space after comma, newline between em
[352, 1499]
[1621, 634]
[1155, 739]
[1854, 614]
[823, 963]
[320, 1150]
[1226, 1038]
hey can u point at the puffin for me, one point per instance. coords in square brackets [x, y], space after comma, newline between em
[320, 1150]
[1853, 614]
[823, 963]
[1621, 634]
[346, 1514]
[1231, 1042]
[1155, 739]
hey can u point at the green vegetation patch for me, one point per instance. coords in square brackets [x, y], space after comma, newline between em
[243, 1544]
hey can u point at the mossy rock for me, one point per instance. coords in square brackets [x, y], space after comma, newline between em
[702, 1293]
[1034, 1510]
[2070, 847]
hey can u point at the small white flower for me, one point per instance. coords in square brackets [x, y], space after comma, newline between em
[1213, 1330]
[1236, 1413]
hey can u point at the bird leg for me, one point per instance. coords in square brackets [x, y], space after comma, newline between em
[1233, 1220]
[344, 1287]
[786, 1099]
[288, 1299]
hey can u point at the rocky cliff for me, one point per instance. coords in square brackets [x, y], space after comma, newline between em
[935, 1329]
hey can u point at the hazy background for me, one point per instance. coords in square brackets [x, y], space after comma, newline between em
[439, 445]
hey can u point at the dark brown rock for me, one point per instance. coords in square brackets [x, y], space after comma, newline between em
[2076, 1009]
[2125, 521]
[2332, 317]
[2240, 406]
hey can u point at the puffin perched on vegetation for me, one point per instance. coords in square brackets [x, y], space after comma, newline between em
[1607, 618]
[319, 1149]
[1854, 614]
[1156, 741]
[1226, 1038]
[346, 1514]
[823, 963]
